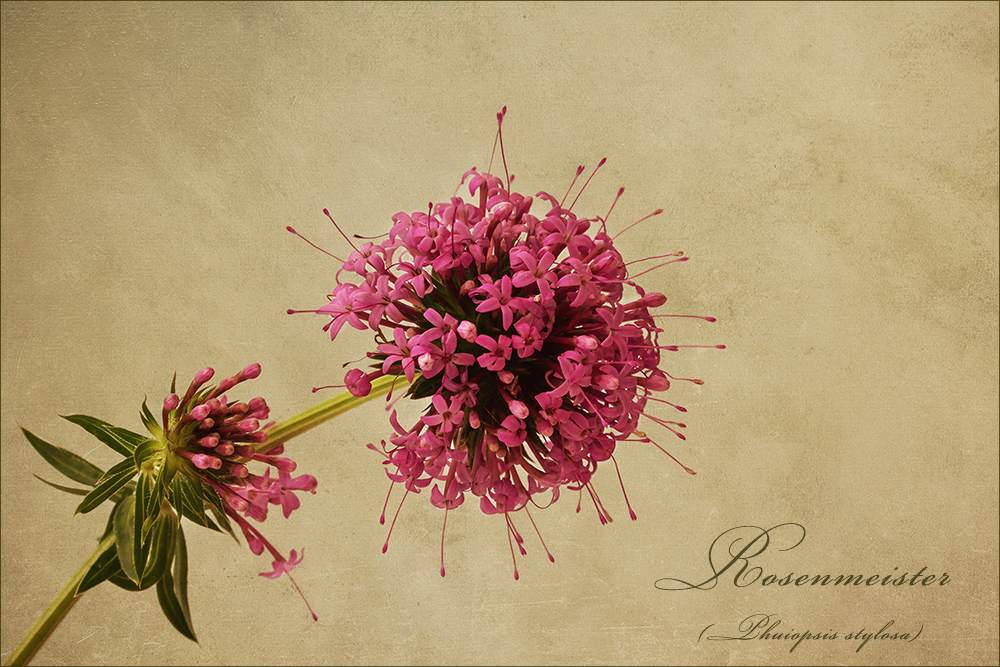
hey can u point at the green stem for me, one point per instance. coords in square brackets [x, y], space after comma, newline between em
[41, 630]
[298, 424]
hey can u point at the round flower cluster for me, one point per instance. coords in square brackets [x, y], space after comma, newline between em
[212, 440]
[515, 326]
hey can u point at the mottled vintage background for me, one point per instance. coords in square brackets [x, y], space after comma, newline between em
[830, 168]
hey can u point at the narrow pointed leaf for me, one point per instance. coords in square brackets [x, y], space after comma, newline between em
[223, 522]
[68, 489]
[105, 566]
[114, 479]
[214, 503]
[121, 440]
[171, 607]
[163, 479]
[188, 506]
[145, 451]
[140, 548]
[69, 464]
[162, 542]
[125, 537]
[121, 581]
[171, 590]
[149, 421]
[110, 527]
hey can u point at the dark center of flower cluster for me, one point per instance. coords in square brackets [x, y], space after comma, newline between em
[514, 326]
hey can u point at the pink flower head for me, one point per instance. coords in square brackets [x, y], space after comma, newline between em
[515, 324]
[216, 442]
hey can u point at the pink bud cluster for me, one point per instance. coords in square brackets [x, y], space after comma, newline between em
[516, 328]
[214, 440]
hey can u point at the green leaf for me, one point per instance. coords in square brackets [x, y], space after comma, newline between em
[149, 421]
[106, 565]
[171, 591]
[162, 542]
[110, 526]
[143, 490]
[118, 439]
[145, 451]
[131, 553]
[195, 507]
[114, 479]
[163, 479]
[214, 503]
[69, 464]
[110, 485]
[121, 581]
[68, 489]
[185, 507]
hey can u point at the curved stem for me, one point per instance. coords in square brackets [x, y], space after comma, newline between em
[67, 597]
[307, 419]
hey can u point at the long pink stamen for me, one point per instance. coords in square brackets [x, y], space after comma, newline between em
[666, 424]
[381, 519]
[513, 557]
[621, 191]
[680, 259]
[686, 469]
[503, 112]
[326, 212]
[302, 595]
[292, 230]
[675, 348]
[692, 380]
[579, 170]
[599, 165]
[601, 512]
[656, 212]
[673, 405]
[694, 317]
[328, 386]
[552, 558]
[627, 503]
[385, 547]
[445, 525]
[646, 259]
[517, 535]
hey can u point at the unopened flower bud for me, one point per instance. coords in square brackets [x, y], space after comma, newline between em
[519, 409]
[203, 376]
[250, 372]
[426, 362]
[199, 412]
[654, 300]
[467, 330]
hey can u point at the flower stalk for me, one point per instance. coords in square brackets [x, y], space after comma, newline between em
[332, 407]
[56, 612]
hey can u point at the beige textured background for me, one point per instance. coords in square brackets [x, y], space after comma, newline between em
[831, 169]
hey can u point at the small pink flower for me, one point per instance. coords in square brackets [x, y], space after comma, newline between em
[284, 566]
